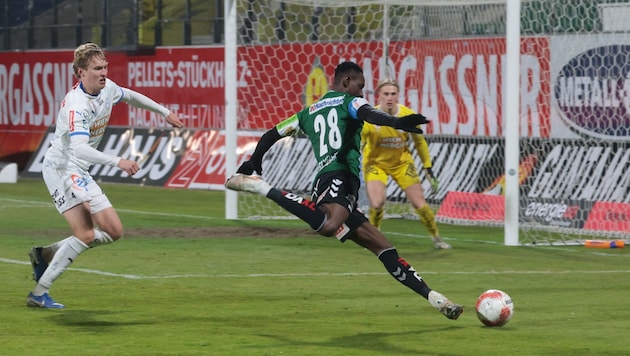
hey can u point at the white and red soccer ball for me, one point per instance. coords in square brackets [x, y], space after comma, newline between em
[494, 307]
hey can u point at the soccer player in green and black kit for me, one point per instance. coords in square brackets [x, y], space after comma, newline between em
[333, 125]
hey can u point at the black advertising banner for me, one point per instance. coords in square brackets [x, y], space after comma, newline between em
[552, 172]
[157, 151]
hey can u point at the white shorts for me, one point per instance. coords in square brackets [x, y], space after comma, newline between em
[71, 186]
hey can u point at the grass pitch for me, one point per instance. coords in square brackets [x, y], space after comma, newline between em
[185, 281]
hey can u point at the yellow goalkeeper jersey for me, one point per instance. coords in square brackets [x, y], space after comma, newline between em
[387, 147]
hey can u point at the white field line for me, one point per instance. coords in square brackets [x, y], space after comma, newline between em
[322, 274]
[16, 203]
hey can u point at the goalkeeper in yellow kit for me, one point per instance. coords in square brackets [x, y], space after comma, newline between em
[386, 153]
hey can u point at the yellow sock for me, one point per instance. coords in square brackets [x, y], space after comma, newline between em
[428, 219]
[376, 217]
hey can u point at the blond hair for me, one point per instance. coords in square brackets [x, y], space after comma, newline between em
[384, 82]
[84, 54]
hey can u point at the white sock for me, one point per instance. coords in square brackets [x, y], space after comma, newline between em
[101, 238]
[62, 259]
[54, 247]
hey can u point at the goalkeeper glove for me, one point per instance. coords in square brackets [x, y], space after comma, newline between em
[249, 167]
[410, 123]
[435, 183]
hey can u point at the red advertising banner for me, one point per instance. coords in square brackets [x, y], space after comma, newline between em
[32, 86]
[188, 80]
[203, 163]
[609, 217]
[456, 83]
[472, 206]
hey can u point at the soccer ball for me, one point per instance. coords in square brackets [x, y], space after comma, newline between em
[494, 307]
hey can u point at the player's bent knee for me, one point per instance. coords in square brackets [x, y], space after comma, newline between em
[118, 235]
[328, 229]
[378, 206]
[113, 233]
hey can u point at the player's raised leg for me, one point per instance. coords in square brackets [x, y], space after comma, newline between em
[296, 205]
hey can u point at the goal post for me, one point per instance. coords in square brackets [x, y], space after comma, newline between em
[231, 104]
[511, 110]
[528, 132]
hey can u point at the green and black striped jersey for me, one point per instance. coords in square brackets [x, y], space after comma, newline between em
[332, 126]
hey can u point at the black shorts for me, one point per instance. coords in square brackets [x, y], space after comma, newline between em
[338, 187]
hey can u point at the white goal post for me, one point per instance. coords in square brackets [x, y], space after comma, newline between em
[504, 83]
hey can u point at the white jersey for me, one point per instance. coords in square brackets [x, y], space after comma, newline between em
[83, 114]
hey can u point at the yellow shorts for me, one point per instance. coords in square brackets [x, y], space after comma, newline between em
[405, 174]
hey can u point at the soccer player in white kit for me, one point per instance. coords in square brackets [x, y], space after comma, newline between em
[81, 123]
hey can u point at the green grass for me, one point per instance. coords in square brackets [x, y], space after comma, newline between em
[293, 295]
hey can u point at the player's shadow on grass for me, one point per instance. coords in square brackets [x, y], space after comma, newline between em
[378, 342]
[86, 319]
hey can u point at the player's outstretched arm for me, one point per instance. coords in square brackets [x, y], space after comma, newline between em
[407, 123]
[254, 165]
[410, 123]
[142, 101]
[174, 120]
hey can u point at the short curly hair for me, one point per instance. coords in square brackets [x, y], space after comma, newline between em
[346, 68]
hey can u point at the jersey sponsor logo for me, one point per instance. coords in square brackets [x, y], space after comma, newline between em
[326, 161]
[99, 126]
[592, 92]
[390, 142]
[325, 103]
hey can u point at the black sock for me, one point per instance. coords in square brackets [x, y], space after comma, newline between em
[299, 206]
[404, 272]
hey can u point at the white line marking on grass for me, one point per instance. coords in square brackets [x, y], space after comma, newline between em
[18, 203]
[415, 236]
[321, 274]
[32, 203]
[169, 214]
